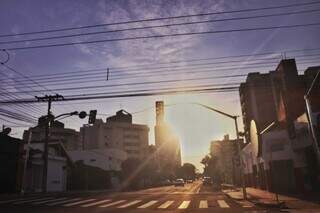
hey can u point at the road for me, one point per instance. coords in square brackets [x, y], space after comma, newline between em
[193, 197]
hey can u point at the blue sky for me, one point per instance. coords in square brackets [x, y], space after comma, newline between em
[195, 126]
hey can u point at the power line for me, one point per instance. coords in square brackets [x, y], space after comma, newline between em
[156, 70]
[156, 26]
[129, 94]
[165, 36]
[177, 72]
[161, 19]
[182, 61]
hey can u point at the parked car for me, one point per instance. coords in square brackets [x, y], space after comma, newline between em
[179, 182]
[189, 181]
[207, 181]
[166, 182]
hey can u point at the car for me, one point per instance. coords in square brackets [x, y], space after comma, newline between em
[179, 182]
[207, 181]
[189, 181]
[166, 182]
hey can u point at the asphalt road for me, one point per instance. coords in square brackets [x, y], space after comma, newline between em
[193, 197]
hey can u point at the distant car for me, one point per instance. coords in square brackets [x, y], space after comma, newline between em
[179, 182]
[166, 182]
[189, 181]
[207, 181]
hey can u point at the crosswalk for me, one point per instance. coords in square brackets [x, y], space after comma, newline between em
[85, 202]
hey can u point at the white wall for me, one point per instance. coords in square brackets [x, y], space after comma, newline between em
[106, 159]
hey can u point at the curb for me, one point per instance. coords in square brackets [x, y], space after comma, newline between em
[257, 203]
[270, 205]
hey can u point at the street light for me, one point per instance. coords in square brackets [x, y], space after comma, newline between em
[234, 117]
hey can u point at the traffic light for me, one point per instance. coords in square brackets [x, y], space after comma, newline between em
[92, 116]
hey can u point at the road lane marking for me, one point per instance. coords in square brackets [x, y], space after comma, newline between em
[246, 204]
[184, 204]
[27, 201]
[223, 204]
[146, 205]
[78, 202]
[18, 199]
[96, 203]
[198, 190]
[130, 204]
[166, 204]
[48, 201]
[113, 203]
[203, 204]
[64, 201]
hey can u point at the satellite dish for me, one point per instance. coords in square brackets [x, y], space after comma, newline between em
[254, 138]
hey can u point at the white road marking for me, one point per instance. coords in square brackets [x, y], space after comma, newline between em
[184, 204]
[223, 204]
[64, 201]
[96, 203]
[166, 204]
[246, 204]
[48, 201]
[130, 204]
[203, 204]
[198, 190]
[78, 202]
[146, 205]
[18, 199]
[39, 199]
[113, 203]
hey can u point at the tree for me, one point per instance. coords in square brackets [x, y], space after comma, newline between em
[210, 168]
[187, 171]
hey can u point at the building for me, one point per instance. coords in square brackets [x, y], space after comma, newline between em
[281, 154]
[118, 133]
[225, 152]
[106, 159]
[167, 143]
[11, 163]
[69, 137]
[58, 164]
[257, 102]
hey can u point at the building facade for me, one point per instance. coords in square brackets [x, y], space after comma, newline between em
[225, 152]
[280, 154]
[118, 133]
[69, 137]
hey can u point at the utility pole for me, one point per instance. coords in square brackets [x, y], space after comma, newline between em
[244, 191]
[310, 116]
[49, 99]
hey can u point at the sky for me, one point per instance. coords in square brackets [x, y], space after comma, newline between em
[195, 126]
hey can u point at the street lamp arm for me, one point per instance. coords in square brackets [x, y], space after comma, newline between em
[70, 114]
[215, 110]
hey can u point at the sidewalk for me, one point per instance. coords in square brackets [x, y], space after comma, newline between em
[268, 199]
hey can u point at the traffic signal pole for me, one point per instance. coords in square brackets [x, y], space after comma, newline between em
[244, 191]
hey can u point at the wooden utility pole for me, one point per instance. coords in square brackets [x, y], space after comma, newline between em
[49, 99]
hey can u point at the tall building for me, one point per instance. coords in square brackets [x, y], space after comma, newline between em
[167, 143]
[69, 137]
[281, 153]
[257, 101]
[118, 132]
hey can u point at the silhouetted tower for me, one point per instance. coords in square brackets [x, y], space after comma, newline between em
[159, 112]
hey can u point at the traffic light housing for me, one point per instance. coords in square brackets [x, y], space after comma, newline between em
[92, 116]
